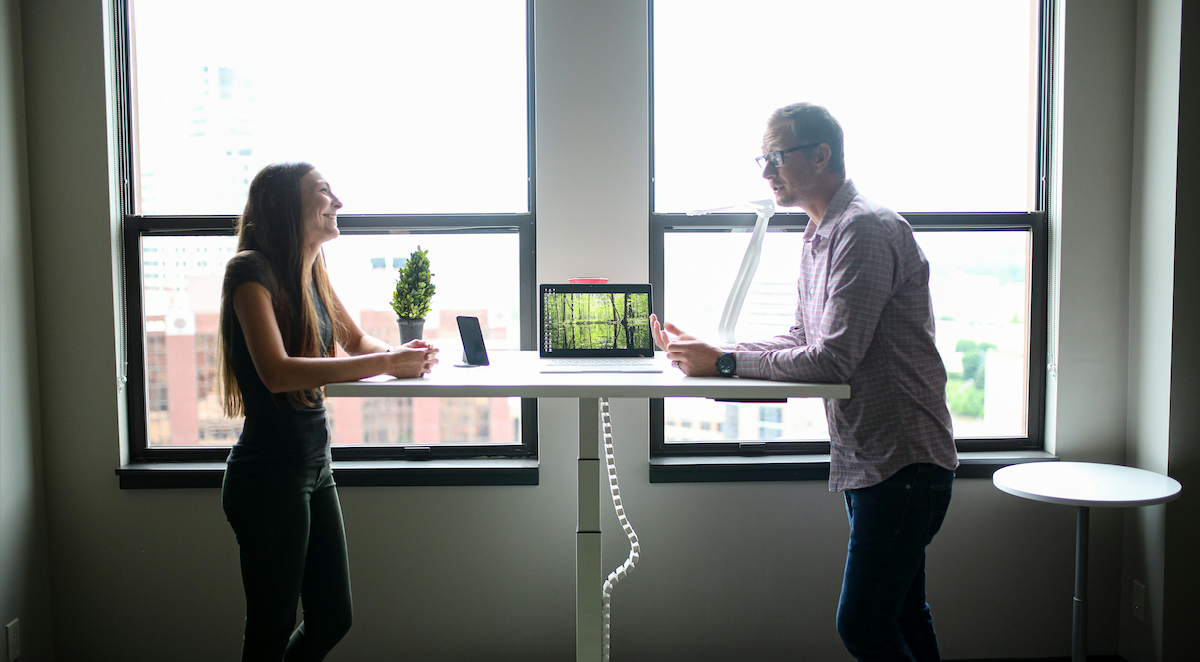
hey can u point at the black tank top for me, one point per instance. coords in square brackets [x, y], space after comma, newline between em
[275, 435]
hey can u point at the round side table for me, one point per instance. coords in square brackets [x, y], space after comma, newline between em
[1085, 484]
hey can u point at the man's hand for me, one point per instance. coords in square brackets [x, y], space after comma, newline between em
[694, 357]
[661, 337]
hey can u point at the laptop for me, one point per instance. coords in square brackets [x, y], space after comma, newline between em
[596, 328]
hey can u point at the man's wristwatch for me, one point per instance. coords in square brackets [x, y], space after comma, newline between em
[727, 364]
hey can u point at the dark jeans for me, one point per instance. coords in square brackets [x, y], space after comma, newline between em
[292, 544]
[882, 614]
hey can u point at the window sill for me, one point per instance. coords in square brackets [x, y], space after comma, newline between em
[175, 475]
[739, 468]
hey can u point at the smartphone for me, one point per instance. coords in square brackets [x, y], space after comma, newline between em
[474, 353]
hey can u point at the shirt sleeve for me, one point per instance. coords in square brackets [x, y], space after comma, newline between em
[793, 338]
[246, 266]
[861, 279]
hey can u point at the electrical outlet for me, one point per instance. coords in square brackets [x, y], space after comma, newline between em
[1139, 600]
[13, 632]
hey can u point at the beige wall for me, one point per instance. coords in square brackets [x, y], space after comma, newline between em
[728, 570]
[1151, 287]
[1181, 637]
[24, 576]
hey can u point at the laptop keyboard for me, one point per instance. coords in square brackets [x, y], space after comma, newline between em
[568, 363]
[631, 364]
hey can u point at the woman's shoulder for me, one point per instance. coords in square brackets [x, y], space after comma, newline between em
[248, 256]
[248, 266]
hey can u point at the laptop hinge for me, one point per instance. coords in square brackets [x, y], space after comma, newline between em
[752, 447]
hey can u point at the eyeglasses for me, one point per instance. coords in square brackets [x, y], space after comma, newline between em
[776, 158]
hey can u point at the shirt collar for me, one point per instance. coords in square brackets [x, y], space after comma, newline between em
[837, 206]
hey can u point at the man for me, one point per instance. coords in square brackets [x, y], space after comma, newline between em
[863, 318]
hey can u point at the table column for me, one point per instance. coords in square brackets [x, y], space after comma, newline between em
[589, 618]
[1079, 615]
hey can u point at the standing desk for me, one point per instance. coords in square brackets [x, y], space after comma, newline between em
[514, 374]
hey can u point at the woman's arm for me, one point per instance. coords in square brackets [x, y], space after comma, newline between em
[353, 340]
[282, 373]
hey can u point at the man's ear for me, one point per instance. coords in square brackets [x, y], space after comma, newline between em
[824, 153]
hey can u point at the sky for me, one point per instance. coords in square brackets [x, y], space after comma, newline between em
[411, 106]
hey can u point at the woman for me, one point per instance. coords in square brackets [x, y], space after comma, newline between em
[280, 321]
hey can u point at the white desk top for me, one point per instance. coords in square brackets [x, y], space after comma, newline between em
[513, 374]
[1086, 484]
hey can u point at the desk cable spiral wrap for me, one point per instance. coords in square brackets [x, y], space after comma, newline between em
[634, 548]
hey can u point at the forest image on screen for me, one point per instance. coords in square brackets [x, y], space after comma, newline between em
[608, 320]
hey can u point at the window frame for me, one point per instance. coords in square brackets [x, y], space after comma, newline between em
[1036, 222]
[135, 227]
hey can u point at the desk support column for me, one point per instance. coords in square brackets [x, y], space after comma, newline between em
[1079, 613]
[589, 619]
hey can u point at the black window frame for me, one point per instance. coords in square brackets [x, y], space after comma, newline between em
[135, 227]
[1036, 222]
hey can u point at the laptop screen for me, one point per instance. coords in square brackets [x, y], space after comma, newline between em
[595, 321]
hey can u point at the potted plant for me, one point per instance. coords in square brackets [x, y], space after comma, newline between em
[414, 291]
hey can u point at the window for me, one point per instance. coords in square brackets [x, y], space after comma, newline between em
[209, 100]
[769, 433]
[943, 105]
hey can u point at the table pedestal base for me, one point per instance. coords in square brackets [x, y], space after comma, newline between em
[589, 605]
[1079, 611]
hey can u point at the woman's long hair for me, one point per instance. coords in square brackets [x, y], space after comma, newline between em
[273, 226]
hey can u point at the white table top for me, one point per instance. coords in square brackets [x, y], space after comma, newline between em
[1086, 484]
[513, 374]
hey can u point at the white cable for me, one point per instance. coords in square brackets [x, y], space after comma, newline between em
[634, 549]
[764, 209]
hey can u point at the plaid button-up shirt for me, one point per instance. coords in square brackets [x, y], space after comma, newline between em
[864, 318]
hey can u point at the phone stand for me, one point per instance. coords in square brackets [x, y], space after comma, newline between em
[474, 353]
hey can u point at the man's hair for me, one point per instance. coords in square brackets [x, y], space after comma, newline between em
[813, 124]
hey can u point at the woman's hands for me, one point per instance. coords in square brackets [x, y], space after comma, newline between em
[414, 358]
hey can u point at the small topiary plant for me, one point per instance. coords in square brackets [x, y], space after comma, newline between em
[414, 288]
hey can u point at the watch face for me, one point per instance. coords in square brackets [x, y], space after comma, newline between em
[725, 364]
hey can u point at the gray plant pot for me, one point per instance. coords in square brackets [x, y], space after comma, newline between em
[410, 329]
